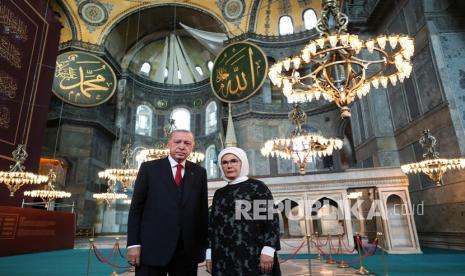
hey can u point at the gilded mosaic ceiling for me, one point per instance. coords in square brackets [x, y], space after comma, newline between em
[91, 21]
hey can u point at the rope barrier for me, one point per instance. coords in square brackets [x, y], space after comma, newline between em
[317, 243]
[293, 246]
[119, 251]
[293, 254]
[104, 260]
[368, 253]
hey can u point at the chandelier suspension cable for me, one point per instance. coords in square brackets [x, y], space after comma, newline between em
[58, 130]
[125, 175]
[49, 194]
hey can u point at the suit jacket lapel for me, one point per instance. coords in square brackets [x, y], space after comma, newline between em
[188, 182]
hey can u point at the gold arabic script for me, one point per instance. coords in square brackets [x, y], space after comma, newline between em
[10, 53]
[12, 24]
[8, 85]
[232, 82]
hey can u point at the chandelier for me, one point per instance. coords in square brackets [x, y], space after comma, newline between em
[433, 166]
[111, 194]
[162, 152]
[158, 153]
[301, 146]
[48, 194]
[16, 177]
[340, 66]
[125, 175]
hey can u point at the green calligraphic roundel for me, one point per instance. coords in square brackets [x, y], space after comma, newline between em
[83, 79]
[238, 72]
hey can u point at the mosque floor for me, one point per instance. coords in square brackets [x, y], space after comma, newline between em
[104, 260]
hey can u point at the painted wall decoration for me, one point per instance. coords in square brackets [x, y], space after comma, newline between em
[239, 71]
[162, 104]
[93, 13]
[233, 9]
[83, 79]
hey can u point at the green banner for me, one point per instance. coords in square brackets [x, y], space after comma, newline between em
[83, 79]
[239, 71]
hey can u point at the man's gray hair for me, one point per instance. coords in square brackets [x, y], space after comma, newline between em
[180, 130]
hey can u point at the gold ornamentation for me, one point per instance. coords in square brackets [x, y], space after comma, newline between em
[301, 146]
[111, 194]
[4, 117]
[160, 151]
[125, 175]
[16, 177]
[433, 166]
[10, 53]
[339, 67]
[83, 79]
[238, 72]
[8, 85]
[12, 24]
[48, 194]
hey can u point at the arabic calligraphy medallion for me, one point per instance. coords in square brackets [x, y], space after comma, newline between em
[83, 79]
[239, 72]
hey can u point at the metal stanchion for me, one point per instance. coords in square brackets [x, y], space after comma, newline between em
[330, 259]
[308, 242]
[361, 270]
[309, 255]
[319, 258]
[113, 265]
[91, 243]
[342, 264]
[381, 242]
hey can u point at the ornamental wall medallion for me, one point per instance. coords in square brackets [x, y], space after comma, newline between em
[162, 104]
[93, 13]
[83, 79]
[239, 72]
[232, 10]
[198, 103]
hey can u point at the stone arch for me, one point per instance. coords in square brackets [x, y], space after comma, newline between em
[398, 223]
[109, 26]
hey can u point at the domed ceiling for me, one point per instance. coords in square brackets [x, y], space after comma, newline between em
[146, 37]
[160, 49]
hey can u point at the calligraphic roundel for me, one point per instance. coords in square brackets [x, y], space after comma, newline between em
[238, 72]
[83, 79]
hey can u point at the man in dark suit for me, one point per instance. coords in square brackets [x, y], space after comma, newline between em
[168, 218]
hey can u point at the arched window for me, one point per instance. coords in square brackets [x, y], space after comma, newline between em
[145, 68]
[199, 69]
[210, 118]
[179, 74]
[182, 118]
[166, 73]
[144, 120]
[210, 162]
[285, 25]
[210, 65]
[310, 19]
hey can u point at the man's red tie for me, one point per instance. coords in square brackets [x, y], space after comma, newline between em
[178, 176]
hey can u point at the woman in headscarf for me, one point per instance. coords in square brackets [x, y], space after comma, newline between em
[242, 240]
